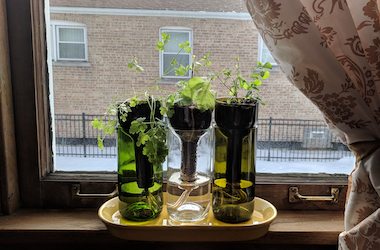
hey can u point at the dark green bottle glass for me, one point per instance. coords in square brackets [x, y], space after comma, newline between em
[140, 182]
[234, 162]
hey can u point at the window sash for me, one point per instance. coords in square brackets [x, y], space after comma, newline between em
[165, 54]
[77, 49]
[264, 54]
[39, 186]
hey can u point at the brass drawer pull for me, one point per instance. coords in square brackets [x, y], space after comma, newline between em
[295, 196]
[77, 195]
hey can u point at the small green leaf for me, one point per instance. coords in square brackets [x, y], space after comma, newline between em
[100, 143]
[131, 64]
[234, 89]
[170, 113]
[139, 68]
[255, 76]
[173, 62]
[267, 65]
[101, 126]
[205, 100]
[163, 110]
[95, 123]
[181, 71]
[206, 86]
[246, 86]
[165, 36]
[188, 93]
[257, 83]
[109, 130]
[265, 74]
[227, 73]
[138, 126]
[134, 101]
[180, 84]
[142, 139]
[112, 123]
[160, 46]
[198, 64]
[187, 100]
[195, 83]
[210, 73]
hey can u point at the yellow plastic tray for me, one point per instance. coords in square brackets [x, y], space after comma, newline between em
[164, 229]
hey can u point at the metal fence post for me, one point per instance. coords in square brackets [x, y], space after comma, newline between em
[269, 137]
[84, 134]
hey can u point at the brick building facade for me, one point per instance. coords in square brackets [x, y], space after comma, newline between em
[113, 40]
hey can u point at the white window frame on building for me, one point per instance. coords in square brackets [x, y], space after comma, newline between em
[55, 26]
[264, 54]
[168, 30]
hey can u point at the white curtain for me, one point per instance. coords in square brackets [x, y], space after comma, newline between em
[330, 50]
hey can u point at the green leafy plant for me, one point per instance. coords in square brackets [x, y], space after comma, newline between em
[236, 83]
[151, 133]
[195, 91]
[121, 103]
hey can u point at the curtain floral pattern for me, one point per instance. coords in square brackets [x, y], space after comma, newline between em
[330, 50]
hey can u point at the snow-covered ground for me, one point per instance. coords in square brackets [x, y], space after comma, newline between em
[342, 166]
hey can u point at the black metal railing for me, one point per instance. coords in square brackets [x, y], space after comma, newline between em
[294, 140]
[277, 139]
[75, 136]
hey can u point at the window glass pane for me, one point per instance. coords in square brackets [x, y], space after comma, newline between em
[71, 35]
[72, 51]
[181, 60]
[266, 55]
[176, 38]
[291, 134]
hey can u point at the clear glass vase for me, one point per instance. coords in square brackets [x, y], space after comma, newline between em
[189, 174]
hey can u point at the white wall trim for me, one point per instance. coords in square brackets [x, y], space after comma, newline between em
[156, 13]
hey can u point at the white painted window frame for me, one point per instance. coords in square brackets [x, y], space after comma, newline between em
[262, 47]
[55, 25]
[161, 56]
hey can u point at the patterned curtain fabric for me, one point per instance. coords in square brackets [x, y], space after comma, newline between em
[330, 50]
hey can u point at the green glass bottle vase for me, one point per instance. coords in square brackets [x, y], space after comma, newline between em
[140, 182]
[234, 161]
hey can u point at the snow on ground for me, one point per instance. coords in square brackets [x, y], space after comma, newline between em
[342, 166]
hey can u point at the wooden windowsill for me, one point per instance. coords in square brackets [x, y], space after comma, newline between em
[82, 226]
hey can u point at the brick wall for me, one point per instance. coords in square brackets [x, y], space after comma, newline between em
[189, 5]
[114, 40]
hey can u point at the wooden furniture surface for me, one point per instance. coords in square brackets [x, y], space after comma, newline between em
[315, 229]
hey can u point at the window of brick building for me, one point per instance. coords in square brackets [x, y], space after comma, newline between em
[177, 35]
[264, 54]
[69, 41]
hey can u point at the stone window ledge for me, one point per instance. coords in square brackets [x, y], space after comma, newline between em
[71, 63]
